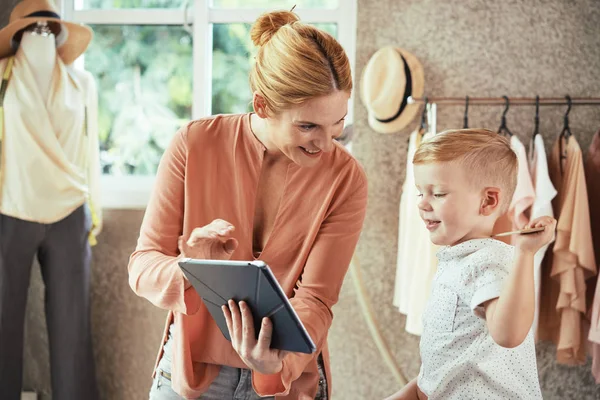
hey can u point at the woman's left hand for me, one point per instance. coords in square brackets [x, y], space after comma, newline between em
[256, 353]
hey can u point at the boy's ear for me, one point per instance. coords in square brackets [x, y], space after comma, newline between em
[491, 201]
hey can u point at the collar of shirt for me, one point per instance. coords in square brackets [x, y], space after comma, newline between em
[461, 250]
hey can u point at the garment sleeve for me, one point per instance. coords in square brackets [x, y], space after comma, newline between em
[153, 270]
[320, 284]
[488, 276]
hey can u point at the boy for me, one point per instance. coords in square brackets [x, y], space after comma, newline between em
[477, 341]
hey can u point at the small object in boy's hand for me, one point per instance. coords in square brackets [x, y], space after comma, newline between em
[521, 232]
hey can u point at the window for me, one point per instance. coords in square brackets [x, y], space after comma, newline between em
[160, 63]
[126, 4]
[279, 4]
[144, 78]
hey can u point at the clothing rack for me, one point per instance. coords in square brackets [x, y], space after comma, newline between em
[513, 101]
[430, 111]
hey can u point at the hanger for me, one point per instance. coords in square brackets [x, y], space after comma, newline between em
[536, 129]
[466, 117]
[423, 126]
[503, 129]
[565, 134]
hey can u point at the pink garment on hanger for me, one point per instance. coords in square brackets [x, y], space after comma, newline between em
[572, 263]
[516, 217]
[592, 177]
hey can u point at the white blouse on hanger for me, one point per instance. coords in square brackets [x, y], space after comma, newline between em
[417, 261]
[542, 206]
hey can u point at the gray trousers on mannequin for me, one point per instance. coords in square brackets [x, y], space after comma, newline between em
[64, 255]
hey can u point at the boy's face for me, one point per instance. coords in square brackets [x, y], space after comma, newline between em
[448, 203]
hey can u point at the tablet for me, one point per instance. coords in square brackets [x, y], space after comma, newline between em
[218, 281]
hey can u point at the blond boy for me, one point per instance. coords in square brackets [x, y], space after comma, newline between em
[477, 341]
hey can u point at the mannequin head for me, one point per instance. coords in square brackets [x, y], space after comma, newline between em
[40, 28]
[46, 29]
[38, 47]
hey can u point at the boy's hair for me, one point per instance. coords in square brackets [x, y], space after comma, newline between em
[486, 156]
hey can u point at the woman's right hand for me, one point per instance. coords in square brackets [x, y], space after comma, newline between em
[210, 242]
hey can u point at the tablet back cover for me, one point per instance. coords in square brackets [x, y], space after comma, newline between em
[217, 282]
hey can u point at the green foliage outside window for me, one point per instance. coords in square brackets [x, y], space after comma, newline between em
[144, 77]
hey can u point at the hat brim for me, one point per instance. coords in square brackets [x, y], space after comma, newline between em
[406, 117]
[410, 111]
[78, 39]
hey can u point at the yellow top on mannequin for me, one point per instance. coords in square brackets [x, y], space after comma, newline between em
[50, 167]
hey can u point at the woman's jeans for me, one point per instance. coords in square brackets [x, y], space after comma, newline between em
[231, 383]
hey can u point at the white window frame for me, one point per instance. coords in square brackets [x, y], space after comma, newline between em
[133, 192]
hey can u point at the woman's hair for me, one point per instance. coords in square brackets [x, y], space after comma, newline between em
[295, 62]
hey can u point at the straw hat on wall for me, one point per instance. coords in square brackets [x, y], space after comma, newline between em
[71, 39]
[391, 76]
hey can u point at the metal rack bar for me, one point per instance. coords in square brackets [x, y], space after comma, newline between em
[513, 101]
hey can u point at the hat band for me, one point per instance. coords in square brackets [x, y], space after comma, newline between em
[48, 14]
[407, 93]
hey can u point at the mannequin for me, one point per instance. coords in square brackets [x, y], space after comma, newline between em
[49, 178]
[39, 47]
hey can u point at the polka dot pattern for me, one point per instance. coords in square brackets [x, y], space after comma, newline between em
[460, 360]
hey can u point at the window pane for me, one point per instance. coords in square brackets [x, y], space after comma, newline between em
[144, 77]
[232, 56]
[122, 4]
[275, 4]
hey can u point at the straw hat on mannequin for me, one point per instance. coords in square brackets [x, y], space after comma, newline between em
[71, 39]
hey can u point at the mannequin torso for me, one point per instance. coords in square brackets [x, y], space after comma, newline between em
[46, 104]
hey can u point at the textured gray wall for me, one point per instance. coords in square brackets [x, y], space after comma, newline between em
[468, 47]
[474, 47]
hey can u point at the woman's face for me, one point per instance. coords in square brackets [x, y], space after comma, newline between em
[303, 133]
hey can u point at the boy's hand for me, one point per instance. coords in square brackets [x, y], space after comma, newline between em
[532, 242]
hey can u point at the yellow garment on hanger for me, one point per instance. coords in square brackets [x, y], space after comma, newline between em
[5, 79]
[91, 237]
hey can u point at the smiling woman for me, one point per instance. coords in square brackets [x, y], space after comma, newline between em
[272, 185]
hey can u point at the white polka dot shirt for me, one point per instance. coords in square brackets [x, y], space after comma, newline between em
[460, 360]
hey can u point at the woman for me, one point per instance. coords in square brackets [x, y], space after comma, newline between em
[270, 185]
